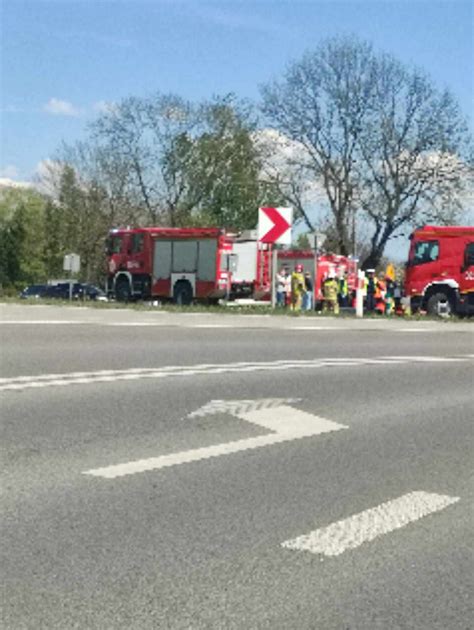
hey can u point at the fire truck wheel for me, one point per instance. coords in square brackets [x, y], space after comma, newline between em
[122, 290]
[183, 293]
[439, 305]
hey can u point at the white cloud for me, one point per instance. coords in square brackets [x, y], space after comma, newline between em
[57, 107]
[9, 172]
[6, 182]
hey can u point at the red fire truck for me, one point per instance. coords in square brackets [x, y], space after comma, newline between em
[320, 267]
[252, 275]
[440, 270]
[181, 264]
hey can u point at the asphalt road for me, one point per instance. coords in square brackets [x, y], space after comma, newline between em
[330, 487]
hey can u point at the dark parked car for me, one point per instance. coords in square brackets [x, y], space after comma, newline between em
[34, 291]
[60, 291]
[79, 292]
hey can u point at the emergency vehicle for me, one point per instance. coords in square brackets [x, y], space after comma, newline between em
[251, 277]
[439, 274]
[320, 267]
[253, 267]
[181, 264]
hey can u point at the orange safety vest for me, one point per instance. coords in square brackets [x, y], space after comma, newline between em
[380, 288]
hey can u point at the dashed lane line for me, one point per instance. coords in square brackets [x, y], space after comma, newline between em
[364, 527]
[40, 322]
[18, 383]
[424, 359]
[265, 325]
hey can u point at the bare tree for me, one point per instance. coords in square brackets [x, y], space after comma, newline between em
[322, 103]
[380, 138]
[99, 169]
[181, 163]
[147, 138]
[412, 155]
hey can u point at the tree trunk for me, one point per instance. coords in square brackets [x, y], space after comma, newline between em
[341, 229]
[378, 246]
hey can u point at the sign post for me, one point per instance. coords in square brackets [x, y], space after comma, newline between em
[360, 293]
[274, 275]
[71, 263]
[315, 241]
[274, 228]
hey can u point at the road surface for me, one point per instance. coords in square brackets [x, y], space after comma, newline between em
[203, 471]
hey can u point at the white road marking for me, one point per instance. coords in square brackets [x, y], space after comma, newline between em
[290, 422]
[128, 324]
[236, 407]
[315, 328]
[39, 322]
[416, 330]
[161, 325]
[428, 359]
[17, 383]
[365, 526]
[285, 423]
[266, 324]
[212, 326]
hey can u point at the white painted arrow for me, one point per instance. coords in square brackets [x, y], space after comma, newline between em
[237, 407]
[285, 424]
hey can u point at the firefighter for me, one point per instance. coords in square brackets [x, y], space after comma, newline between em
[297, 288]
[370, 287]
[330, 292]
[308, 295]
[343, 295]
[389, 295]
[379, 294]
[281, 287]
[390, 285]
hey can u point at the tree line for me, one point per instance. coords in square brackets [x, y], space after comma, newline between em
[361, 145]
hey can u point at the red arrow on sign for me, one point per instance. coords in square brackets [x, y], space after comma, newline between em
[280, 225]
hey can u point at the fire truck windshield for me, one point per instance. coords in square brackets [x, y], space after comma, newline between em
[425, 252]
[114, 245]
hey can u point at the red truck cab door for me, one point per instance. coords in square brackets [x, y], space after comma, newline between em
[114, 253]
[136, 252]
[466, 284]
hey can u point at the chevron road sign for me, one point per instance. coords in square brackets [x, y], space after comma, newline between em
[274, 225]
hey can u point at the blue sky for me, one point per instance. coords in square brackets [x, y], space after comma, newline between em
[62, 60]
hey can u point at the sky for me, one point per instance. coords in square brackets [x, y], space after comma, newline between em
[63, 60]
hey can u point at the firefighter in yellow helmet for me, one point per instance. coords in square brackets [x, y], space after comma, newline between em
[330, 292]
[297, 288]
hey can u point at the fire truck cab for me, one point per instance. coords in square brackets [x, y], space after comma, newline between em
[440, 270]
[181, 264]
